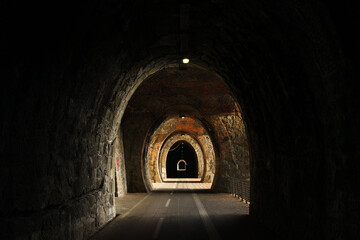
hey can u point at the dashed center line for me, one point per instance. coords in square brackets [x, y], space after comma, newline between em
[158, 227]
[168, 202]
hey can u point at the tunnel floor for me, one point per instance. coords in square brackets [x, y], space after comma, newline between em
[180, 185]
[182, 214]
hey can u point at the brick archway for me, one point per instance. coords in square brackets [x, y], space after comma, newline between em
[170, 142]
[169, 132]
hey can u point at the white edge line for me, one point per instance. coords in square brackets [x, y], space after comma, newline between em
[210, 228]
[128, 212]
[158, 227]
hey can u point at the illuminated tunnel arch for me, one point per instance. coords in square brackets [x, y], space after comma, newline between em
[165, 135]
[181, 165]
[177, 137]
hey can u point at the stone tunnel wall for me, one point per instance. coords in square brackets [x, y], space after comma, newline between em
[119, 166]
[240, 146]
[230, 132]
[135, 130]
[293, 68]
[58, 181]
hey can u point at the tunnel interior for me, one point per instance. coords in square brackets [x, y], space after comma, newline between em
[194, 105]
[175, 167]
[274, 86]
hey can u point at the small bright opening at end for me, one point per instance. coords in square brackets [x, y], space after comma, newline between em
[185, 60]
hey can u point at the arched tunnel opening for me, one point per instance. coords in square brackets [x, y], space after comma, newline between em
[181, 161]
[94, 91]
[192, 105]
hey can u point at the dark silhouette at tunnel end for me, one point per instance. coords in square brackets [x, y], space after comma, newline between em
[181, 161]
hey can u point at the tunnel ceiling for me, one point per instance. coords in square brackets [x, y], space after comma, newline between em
[172, 89]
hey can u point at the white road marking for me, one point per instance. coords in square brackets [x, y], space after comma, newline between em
[158, 227]
[168, 202]
[128, 212]
[210, 228]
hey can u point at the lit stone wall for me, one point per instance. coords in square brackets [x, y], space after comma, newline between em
[119, 166]
[230, 133]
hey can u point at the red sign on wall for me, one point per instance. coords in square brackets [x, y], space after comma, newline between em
[117, 163]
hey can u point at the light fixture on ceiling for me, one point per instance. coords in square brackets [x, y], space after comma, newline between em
[185, 60]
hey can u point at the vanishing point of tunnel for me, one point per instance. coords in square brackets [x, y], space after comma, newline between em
[180, 120]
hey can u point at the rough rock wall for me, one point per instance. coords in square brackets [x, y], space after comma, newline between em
[239, 144]
[135, 130]
[234, 150]
[120, 167]
[61, 184]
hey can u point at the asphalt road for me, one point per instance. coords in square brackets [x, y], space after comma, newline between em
[184, 215]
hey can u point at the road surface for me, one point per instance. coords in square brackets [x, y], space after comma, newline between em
[171, 214]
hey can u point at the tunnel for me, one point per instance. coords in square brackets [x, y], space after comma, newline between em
[181, 161]
[94, 93]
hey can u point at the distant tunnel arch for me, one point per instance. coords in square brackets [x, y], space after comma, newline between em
[181, 161]
[170, 132]
[195, 151]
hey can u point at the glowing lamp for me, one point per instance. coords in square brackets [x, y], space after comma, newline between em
[185, 60]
